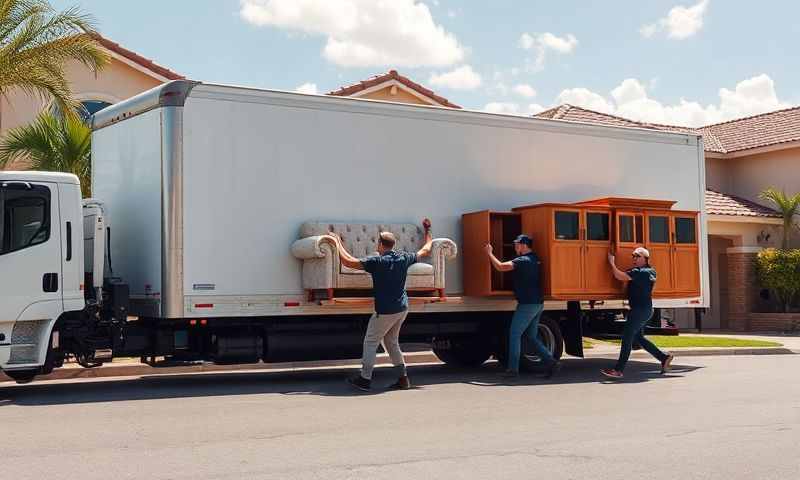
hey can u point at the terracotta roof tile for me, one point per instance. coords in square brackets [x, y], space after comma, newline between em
[718, 203]
[136, 58]
[763, 130]
[391, 75]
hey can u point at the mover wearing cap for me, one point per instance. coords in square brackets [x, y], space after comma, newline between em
[530, 303]
[640, 281]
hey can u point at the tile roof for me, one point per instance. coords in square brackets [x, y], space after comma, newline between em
[136, 58]
[718, 203]
[766, 129]
[391, 75]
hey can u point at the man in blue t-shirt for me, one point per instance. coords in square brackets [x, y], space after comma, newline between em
[640, 279]
[388, 269]
[530, 304]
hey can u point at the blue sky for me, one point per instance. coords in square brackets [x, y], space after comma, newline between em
[688, 62]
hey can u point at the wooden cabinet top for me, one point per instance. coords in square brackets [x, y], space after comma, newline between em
[610, 202]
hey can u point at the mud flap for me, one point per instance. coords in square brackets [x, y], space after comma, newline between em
[572, 330]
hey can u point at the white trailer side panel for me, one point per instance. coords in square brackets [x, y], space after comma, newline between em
[257, 164]
[126, 176]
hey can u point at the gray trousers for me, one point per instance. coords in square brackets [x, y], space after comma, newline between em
[384, 329]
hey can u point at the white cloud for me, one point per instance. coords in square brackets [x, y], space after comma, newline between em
[363, 33]
[512, 108]
[462, 78]
[542, 43]
[307, 88]
[681, 22]
[525, 90]
[630, 100]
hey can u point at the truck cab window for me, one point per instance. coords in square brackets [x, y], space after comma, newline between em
[25, 215]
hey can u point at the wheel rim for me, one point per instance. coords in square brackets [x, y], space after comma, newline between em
[547, 337]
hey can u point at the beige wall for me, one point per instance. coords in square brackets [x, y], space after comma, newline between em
[744, 234]
[752, 174]
[116, 82]
[400, 96]
[718, 175]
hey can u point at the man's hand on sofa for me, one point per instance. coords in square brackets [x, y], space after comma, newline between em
[345, 258]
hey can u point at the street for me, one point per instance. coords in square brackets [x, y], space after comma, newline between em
[724, 417]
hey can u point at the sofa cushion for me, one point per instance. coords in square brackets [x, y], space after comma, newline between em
[416, 269]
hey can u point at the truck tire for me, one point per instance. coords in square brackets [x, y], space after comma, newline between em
[549, 333]
[21, 376]
[460, 352]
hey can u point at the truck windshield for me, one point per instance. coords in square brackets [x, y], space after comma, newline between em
[24, 216]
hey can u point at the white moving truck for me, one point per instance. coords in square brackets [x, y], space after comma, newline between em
[200, 185]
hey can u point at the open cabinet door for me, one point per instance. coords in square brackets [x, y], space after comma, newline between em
[477, 272]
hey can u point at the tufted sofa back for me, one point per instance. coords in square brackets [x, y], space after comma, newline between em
[361, 239]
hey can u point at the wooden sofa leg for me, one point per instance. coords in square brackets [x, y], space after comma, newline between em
[330, 293]
[311, 295]
[442, 295]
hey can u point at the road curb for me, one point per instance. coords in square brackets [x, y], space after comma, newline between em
[138, 369]
[415, 358]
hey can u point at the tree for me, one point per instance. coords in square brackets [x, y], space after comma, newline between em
[787, 206]
[53, 143]
[36, 42]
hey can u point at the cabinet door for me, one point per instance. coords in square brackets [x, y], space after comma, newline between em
[597, 273]
[686, 254]
[567, 254]
[657, 240]
[477, 273]
[629, 235]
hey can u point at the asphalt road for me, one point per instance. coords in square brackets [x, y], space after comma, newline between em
[735, 417]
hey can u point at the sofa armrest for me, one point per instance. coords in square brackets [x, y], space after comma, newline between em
[443, 248]
[311, 247]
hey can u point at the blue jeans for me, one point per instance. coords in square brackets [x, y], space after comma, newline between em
[634, 331]
[526, 319]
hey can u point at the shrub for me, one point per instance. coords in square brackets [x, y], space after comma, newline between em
[779, 271]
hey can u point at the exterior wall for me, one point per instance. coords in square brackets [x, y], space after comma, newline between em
[116, 82]
[742, 287]
[771, 322]
[746, 234]
[718, 174]
[752, 174]
[400, 96]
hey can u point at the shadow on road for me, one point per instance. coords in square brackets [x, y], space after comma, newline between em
[309, 382]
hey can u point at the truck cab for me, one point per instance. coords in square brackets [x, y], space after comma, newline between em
[41, 265]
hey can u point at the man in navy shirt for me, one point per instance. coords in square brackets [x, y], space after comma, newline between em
[640, 279]
[530, 304]
[388, 269]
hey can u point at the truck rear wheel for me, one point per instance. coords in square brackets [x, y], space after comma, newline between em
[462, 352]
[549, 334]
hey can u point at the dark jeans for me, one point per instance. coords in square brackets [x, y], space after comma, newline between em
[634, 331]
[526, 321]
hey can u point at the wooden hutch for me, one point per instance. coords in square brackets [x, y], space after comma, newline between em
[573, 242]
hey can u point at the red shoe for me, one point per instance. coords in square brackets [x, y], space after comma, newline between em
[611, 373]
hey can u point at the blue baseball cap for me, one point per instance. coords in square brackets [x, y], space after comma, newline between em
[524, 239]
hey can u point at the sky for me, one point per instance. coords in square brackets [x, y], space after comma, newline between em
[680, 62]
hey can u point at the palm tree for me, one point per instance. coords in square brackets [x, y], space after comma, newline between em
[787, 206]
[53, 143]
[36, 42]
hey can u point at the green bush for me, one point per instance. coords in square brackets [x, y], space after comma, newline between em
[779, 271]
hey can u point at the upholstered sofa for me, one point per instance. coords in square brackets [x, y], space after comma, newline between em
[323, 271]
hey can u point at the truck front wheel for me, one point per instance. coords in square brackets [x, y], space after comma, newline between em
[462, 352]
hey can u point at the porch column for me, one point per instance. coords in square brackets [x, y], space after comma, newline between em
[742, 286]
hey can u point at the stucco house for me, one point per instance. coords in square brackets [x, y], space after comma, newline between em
[393, 87]
[127, 75]
[743, 157]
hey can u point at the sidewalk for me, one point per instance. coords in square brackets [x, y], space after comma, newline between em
[128, 367]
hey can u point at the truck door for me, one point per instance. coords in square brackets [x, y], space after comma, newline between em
[30, 253]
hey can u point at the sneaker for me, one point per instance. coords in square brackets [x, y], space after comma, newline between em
[611, 373]
[402, 383]
[666, 365]
[360, 383]
[553, 369]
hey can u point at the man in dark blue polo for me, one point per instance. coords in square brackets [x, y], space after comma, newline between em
[388, 269]
[530, 304]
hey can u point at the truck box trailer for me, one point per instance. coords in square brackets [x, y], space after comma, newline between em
[199, 191]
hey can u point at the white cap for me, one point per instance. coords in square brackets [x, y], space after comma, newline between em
[642, 251]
